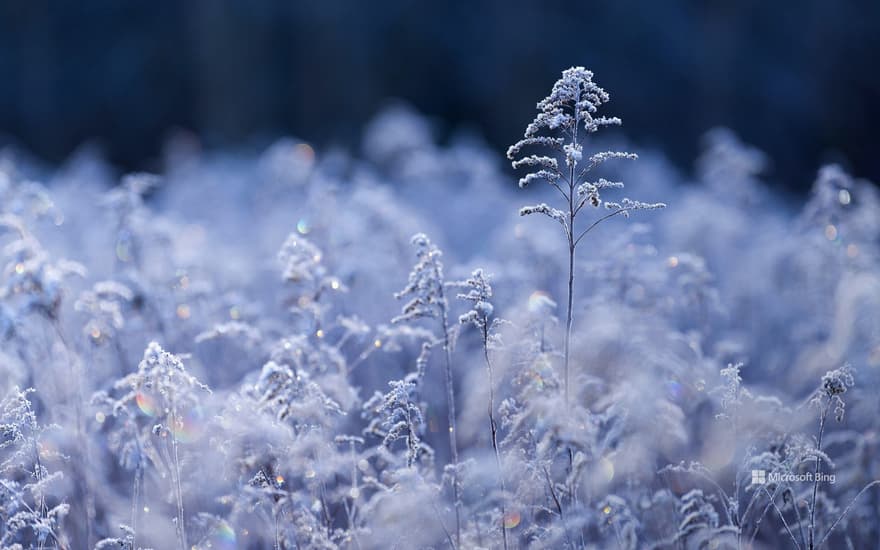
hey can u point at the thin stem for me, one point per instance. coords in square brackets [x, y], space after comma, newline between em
[568, 317]
[135, 497]
[411, 442]
[812, 526]
[38, 473]
[597, 222]
[770, 503]
[571, 248]
[82, 441]
[326, 510]
[351, 511]
[561, 191]
[443, 526]
[558, 507]
[797, 515]
[178, 489]
[846, 511]
[782, 517]
[450, 403]
[494, 428]
[362, 357]
[277, 545]
[351, 530]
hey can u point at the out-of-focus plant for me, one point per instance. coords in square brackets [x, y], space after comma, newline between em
[426, 292]
[158, 405]
[478, 291]
[29, 514]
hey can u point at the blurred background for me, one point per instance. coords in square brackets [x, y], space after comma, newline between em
[799, 81]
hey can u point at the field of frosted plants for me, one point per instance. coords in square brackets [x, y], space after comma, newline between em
[402, 348]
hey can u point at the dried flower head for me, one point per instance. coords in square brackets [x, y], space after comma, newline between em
[834, 385]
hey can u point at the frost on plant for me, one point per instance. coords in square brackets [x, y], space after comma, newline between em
[566, 120]
[31, 512]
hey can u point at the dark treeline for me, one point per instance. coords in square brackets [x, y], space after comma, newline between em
[797, 80]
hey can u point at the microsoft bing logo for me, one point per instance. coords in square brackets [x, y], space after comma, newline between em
[761, 477]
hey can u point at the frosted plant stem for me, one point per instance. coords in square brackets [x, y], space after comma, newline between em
[568, 318]
[38, 467]
[450, 403]
[410, 456]
[558, 505]
[494, 430]
[846, 511]
[82, 441]
[572, 244]
[782, 517]
[178, 490]
[277, 545]
[135, 498]
[772, 503]
[453, 447]
[326, 510]
[797, 514]
[351, 511]
[350, 516]
[812, 527]
[443, 526]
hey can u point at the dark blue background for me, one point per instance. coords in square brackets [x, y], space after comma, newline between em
[798, 79]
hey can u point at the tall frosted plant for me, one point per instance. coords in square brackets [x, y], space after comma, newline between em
[427, 299]
[829, 396]
[27, 520]
[158, 405]
[479, 292]
[566, 118]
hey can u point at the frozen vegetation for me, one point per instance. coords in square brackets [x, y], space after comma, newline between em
[316, 349]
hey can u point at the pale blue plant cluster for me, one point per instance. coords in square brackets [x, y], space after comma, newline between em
[292, 348]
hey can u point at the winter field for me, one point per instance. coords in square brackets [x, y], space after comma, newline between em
[401, 348]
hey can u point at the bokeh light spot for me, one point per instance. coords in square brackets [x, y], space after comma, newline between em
[145, 403]
[512, 519]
